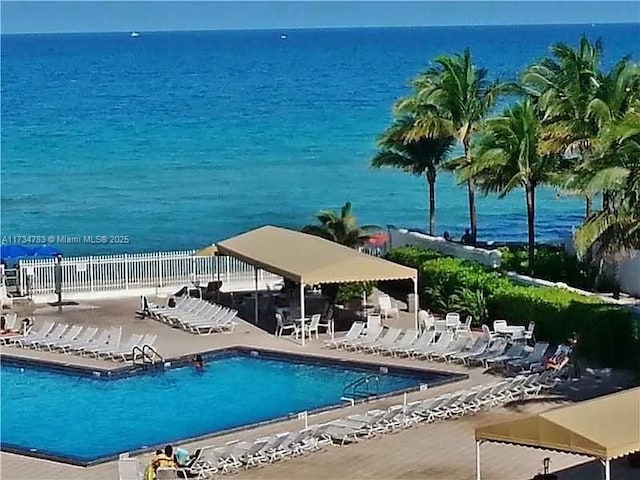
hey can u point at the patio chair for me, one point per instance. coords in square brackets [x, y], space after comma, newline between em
[440, 345]
[497, 347]
[452, 320]
[390, 338]
[6, 299]
[371, 335]
[386, 307]
[167, 473]
[529, 332]
[407, 339]
[283, 325]
[89, 335]
[456, 346]
[424, 341]
[535, 356]
[49, 330]
[313, 325]
[354, 332]
[514, 352]
[70, 335]
[129, 469]
[478, 347]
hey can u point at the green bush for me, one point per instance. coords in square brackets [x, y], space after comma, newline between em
[608, 333]
[347, 291]
[550, 263]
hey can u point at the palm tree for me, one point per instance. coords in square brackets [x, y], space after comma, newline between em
[452, 99]
[341, 227]
[508, 156]
[565, 86]
[615, 170]
[418, 157]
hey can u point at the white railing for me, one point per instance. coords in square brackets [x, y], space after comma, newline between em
[133, 272]
[401, 237]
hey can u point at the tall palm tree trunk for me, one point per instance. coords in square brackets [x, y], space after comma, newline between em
[431, 183]
[471, 191]
[530, 193]
[587, 206]
[473, 214]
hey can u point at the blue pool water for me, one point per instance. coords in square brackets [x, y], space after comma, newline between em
[83, 418]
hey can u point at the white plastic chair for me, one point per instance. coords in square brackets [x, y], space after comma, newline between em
[387, 309]
[452, 320]
[499, 326]
[281, 326]
[313, 325]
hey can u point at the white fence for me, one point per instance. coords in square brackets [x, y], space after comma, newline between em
[137, 272]
[490, 258]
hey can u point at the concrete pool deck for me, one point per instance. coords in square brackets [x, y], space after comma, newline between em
[437, 451]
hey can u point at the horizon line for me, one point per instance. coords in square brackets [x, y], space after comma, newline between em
[356, 27]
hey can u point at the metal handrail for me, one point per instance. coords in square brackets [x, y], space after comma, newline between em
[147, 347]
[147, 358]
[356, 383]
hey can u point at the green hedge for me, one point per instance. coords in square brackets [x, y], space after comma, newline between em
[550, 263]
[608, 333]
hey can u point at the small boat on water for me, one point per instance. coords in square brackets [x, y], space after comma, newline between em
[135, 34]
[283, 36]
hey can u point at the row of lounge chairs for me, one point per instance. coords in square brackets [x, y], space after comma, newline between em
[106, 343]
[193, 315]
[487, 350]
[216, 460]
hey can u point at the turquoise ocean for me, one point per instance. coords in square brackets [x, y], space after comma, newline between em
[175, 140]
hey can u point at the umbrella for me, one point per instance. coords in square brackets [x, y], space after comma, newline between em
[16, 252]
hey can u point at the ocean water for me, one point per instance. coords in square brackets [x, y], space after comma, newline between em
[176, 140]
[230, 392]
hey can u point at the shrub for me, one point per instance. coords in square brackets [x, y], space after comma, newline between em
[347, 291]
[608, 333]
[550, 263]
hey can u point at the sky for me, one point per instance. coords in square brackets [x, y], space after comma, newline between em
[111, 16]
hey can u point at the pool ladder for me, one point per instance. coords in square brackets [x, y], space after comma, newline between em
[362, 388]
[148, 355]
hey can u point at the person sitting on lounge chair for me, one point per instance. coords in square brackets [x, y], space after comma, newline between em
[162, 459]
[557, 362]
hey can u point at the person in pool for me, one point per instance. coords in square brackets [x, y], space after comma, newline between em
[198, 362]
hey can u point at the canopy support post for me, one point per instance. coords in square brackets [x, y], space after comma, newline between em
[478, 443]
[607, 468]
[302, 315]
[255, 270]
[416, 303]
[218, 266]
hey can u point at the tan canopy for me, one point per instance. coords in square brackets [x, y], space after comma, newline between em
[209, 251]
[309, 259]
[606, 427]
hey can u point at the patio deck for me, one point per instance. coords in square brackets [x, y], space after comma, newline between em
[437, 451]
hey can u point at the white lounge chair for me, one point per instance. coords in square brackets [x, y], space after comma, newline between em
[45, 331]
[423, 342]
[408, 338]
[129, 469]
[354, 332]
[388, 340]
[69, 336]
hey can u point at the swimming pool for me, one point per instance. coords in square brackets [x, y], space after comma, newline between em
[80, 418]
